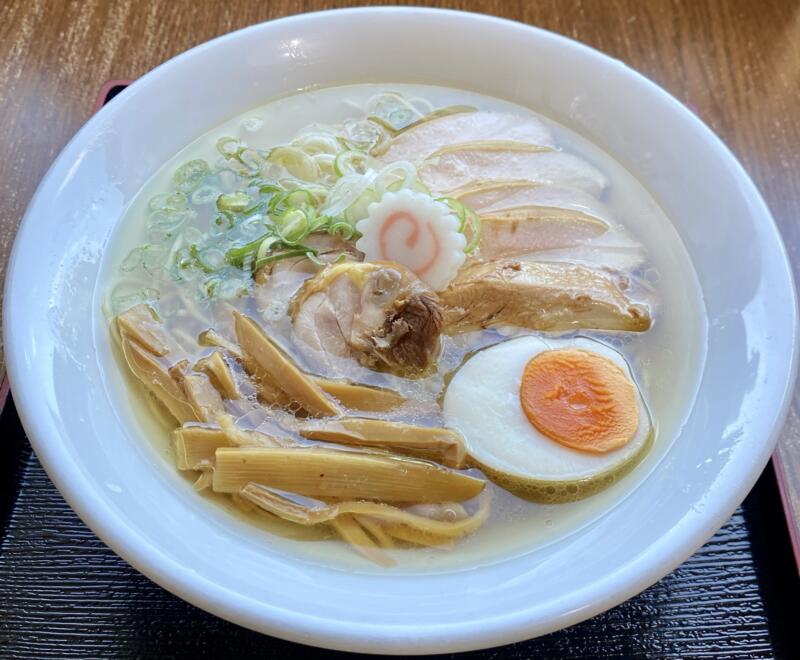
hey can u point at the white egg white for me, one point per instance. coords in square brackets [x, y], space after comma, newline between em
[482, 402]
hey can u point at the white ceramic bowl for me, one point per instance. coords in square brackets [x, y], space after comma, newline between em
[57, 345]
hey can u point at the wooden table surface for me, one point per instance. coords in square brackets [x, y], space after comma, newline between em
[736, 63]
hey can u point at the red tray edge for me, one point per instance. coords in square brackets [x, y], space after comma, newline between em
[105, 89]
[794, 533]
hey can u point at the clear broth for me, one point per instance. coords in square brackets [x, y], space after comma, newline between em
[667, 360]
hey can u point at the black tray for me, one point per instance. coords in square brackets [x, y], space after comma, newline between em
[64, 594]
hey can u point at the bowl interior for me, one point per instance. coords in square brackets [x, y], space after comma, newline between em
[58, 352]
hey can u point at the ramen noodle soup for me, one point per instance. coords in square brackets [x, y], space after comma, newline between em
[412, 323]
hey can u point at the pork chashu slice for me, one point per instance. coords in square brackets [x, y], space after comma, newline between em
[377, 312]
[554, 296]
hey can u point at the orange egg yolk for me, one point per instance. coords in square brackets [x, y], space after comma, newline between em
[579, 399]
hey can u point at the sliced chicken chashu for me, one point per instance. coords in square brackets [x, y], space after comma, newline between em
[541, 296]
[529, 230]
[520, 218]
[377, 312]
[615, 250]
[551, 234]
[466, 165]
[498, 198]
[419, 142]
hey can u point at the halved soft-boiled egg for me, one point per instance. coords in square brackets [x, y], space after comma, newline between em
[551, 420]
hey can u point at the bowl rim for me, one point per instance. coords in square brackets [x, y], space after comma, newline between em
[654, 562]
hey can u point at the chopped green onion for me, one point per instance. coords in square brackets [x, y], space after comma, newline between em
[469, 222]
[286, 254]
[293, 225]
[315, 259]
[183, 260]
[269, 202]
[296, 162]
[194, 253]
[363, 134]
[235, 202]
[319, 222]
[229, 147]
[224, 220]
[166, 221]
[177, 201]
[257, 208]
[265, 246]
[173, 250]
[400, 170]
[252, 159]
[132, 261]
[282, 202]
[205, 194]
[301, 197]
[393, 109]
[350, 162]
[153, 256]
[326, 163]
[193, 235]
[214, 258]
[318, 191]
[358, 210]
[277, 203]
[238, 256]
[317, 143]
[189, 175]
[401, 117]
[168, 202]
[343, 230]
[346, 191]
[210, 286]
[456, 207]
[268, 188]
[476, 229]
[252, 124]
[158, 203]
[236, 168]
